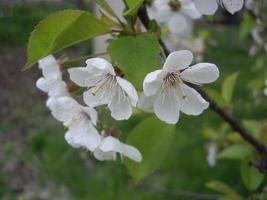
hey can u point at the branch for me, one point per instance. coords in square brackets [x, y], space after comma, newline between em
[245, 134]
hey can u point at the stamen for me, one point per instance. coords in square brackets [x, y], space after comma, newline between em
[105, 81]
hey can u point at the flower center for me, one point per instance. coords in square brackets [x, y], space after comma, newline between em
[104, 84]
[173, 79]
[175, 5]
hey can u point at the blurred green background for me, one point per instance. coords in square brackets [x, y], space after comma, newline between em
[37, 163]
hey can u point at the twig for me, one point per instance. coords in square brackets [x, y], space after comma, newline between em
[245, 134]
[72, 61]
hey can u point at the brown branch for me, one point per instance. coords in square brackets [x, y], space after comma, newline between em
[245, 134]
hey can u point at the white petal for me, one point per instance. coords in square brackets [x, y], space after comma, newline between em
[99, 65]
[58, 89]
[233, 5]
[201, 73]
[153, 82]
[146, 103]
[131, 152]
[63, 109]
[129, 89]
[177, 24]
[70, 140]
[206, 7]
[84, 134]
[265, 91]
[178, 60]
[160, 11]
[42, 84]
[190, 10]
[120, 106]
[50, 67]
[100, 98]
[192, 103]
[111, 144]
[82, 77]
[166, 107]
[101, 155]
[91, 112]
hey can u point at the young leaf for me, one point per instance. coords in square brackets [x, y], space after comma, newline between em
[224, 189]
[133, 6]
[228, 87]
[251, 177]
[236, 152]
[62, 30]
[136, 56]
[217, 97]
[104, 5]
[153, 138]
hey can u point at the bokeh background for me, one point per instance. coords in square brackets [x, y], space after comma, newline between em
[37, 163]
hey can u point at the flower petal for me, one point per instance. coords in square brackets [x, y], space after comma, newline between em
[190, 10]
[63, 109]
[120, 106]
[146, 103]
[84, 134]
[193, 103]
[96, 99]
[99, 65]
[82, 77]
[206, 7]
[178, 60]
[201, 73]
[153, 82]
[177, 24]
[129, 89]
[166, 106]
[111, 144]
[91, 112]
[50, 67]
[233, 5]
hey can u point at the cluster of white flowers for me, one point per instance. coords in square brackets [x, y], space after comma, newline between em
[81, 120]
[164, 90]
[178, 14]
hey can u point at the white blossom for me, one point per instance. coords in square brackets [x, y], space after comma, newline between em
[79, 120]
[105, 87]
[209, 7]
[110, 147]
[175, 13]
[212, 154]
[166, 89]
[51, 82]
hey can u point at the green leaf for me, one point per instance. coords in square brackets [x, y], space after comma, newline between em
[228, 87]
[224, 189]
[107, 20]
[133, 6]
[236, 152]
[135, 56]
[248, 23]
[105, 6]
[153, 138]
[251, 177]
[217, 97]
[61, 30]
